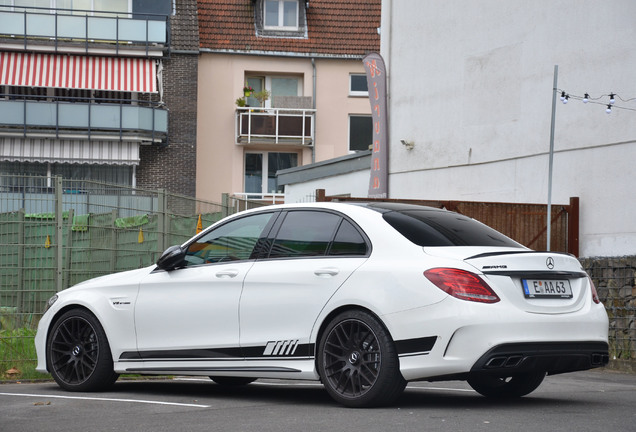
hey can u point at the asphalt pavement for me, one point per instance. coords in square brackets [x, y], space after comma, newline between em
[582, 401]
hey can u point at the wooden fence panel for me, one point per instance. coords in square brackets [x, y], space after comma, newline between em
[524, 223]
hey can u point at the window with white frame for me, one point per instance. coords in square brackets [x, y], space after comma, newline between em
[260, 171]
[276, 85]
[280, 14]
[360, 132]
[358, 85]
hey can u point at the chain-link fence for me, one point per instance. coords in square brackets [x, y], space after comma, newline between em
[55, 233]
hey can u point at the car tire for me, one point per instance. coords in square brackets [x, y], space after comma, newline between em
[232, 381]
[506, 387]
[78, 354]
[358, 362]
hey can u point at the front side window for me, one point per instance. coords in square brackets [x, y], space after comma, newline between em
[233, 241]
[281, 14]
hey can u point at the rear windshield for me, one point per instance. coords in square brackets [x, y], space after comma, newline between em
[442, 228]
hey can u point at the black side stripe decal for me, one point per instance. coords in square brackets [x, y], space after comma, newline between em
[282, 349]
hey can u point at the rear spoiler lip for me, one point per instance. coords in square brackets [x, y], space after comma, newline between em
[509, 252]
[537, 274]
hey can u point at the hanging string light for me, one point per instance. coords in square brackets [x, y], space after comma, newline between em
[609, 104]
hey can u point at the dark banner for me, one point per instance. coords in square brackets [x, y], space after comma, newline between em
[376, 82]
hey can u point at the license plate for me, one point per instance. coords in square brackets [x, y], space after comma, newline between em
[546, 288]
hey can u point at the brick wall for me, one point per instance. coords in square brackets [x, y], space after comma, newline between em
[173, 167]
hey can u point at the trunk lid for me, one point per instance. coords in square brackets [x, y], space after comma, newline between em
[536, 282]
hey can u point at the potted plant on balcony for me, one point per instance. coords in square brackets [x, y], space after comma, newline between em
[247, 90]
[240, 102]
[262, 96]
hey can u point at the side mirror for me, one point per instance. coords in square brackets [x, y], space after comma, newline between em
[172, 258]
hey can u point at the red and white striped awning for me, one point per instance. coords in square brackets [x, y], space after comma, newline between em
[78, 72]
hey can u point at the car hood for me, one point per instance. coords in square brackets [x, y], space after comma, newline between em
[130, 277]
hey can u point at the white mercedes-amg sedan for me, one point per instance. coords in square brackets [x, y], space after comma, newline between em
[363, 297]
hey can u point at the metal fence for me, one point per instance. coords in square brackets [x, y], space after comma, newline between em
[55, 233]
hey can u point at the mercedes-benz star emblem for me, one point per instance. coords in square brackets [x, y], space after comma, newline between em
[549, 263]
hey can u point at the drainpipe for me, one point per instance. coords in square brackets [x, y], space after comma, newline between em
[313, 105]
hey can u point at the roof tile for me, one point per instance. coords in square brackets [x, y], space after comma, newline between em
[334, 27]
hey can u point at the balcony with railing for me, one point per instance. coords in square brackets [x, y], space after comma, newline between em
[275, 126]
[78, 31]
[77, 118]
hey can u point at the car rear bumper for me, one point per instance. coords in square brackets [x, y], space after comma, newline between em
[550, 357]
[473, 338]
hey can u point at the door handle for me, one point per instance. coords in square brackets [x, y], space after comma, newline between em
[327, 271]
[230, 273]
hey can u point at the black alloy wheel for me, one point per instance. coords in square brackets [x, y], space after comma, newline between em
[358, 363]
[78, 354]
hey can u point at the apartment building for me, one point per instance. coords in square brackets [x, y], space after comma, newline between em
[87, 91]
[281, 84]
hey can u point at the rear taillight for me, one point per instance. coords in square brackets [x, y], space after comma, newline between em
[595, 298]
[462, 284]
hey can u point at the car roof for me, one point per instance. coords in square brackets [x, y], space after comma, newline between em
[381, 207]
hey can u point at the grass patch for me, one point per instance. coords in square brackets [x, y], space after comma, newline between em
[17, 355]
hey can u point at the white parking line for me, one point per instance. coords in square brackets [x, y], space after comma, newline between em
[44, 396]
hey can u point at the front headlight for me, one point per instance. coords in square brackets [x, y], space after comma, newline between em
[50, 303]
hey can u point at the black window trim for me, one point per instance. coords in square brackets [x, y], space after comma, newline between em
[273, 233]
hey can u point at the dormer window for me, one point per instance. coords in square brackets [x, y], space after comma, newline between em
[280, 15]
[281, 18]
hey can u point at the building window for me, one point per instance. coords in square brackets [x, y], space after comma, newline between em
[66, 95]
[78, 7]
[40, 174]
[280, 14]
[360, 132]
[358, 85]
[276, 85]
[256, 164]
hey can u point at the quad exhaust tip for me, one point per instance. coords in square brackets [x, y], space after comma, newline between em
[511, 361]
[515, 360]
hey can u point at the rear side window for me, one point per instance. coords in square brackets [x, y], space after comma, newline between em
[310, 233]
[305, 233]
[348, 241]
[441, 228]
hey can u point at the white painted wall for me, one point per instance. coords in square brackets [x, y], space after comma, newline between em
[355, 184]
[471, 84]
